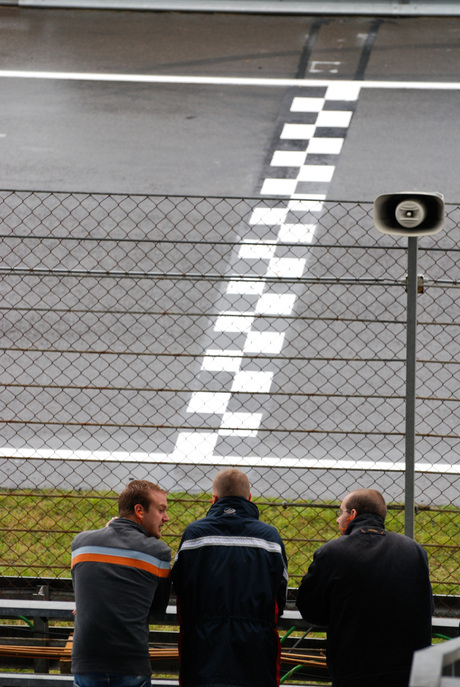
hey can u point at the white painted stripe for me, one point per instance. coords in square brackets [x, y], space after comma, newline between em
[276, 303]
[247, 424]
[296, 132]
[264, 342]
[286, 267]
[288, 158]
[268, 216]
[237, 432]
[325, 146]
[312, 464]
[307, 104]
[247, 542]
[252, 381]
[343, 90]
[337, 90]
[333, 118]
[323, 173]
[208, 402]
[297, 233]
[278, 187]
[251, 288]
[299, 205]
[233, 322]
[196, 448]
[311, 196]
[221, 361]
[261, 251]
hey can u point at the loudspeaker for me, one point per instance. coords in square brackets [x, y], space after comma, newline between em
[409, 214]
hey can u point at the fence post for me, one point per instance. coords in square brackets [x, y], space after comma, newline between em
[411, 362]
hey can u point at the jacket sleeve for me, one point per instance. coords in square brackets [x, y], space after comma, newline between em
[313, 593]
[282, 591]
[163, 590]
[176, 570]
[161, 598]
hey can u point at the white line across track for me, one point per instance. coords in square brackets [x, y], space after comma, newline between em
[227, 81]
[178, 458]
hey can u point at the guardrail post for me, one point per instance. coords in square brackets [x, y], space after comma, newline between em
[41, 631]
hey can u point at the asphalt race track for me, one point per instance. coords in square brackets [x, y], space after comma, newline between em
[215, 105]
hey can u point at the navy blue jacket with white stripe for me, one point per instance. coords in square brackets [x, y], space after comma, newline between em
[230, 577]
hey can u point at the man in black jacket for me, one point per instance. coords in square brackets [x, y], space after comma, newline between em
[371, 589]
[230, 577]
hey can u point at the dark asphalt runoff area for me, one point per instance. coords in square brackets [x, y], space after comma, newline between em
[177, 137]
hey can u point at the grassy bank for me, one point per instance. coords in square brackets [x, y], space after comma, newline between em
[37, 528]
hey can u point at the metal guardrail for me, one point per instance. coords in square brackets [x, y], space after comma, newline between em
[379, 7]
[428, 663]
[63, 610]
[437, 666]
[33, 680]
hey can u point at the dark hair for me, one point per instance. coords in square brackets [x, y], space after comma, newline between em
[367, 501]
[137, 491]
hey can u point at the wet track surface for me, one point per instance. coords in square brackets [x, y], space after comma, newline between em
[209, 105]
[217, 138]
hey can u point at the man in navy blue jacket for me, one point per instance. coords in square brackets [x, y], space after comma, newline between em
[230, 577]
[371, 589]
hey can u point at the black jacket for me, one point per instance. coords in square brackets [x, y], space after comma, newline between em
[371, 589]
[230, 577]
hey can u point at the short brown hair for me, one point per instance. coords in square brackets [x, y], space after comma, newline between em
[367, 501]
[231, 482]
[137, 491]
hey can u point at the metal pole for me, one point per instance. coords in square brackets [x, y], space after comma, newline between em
[411, 357]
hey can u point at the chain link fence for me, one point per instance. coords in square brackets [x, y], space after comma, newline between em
[164, 338]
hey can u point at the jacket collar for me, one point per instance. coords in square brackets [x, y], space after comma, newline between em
[234, 505]
[124, 523]
[368, 520]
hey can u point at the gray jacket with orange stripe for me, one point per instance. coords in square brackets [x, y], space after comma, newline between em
[120, 576]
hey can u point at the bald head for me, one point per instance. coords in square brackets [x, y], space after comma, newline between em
[231, 482]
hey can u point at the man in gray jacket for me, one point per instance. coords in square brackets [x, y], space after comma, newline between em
[120, 576]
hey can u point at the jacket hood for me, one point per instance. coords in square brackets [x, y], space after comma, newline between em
[230, 505]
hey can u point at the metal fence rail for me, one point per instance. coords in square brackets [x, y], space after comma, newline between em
[165, 337]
